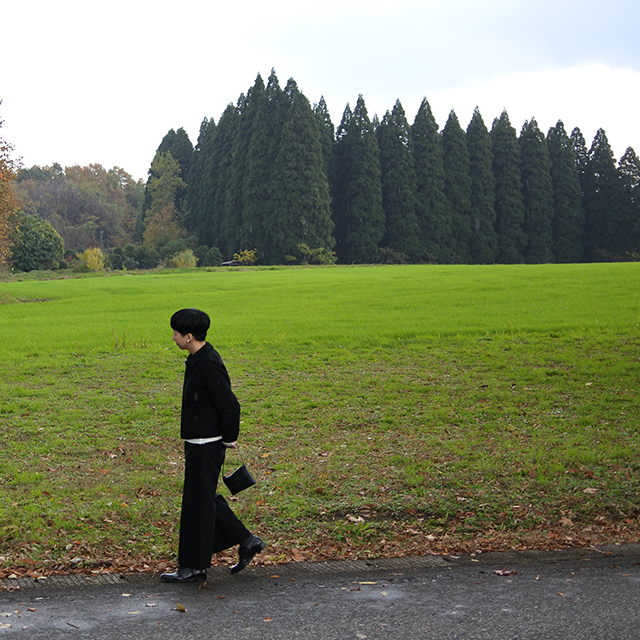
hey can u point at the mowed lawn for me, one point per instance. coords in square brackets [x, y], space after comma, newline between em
[386, 410]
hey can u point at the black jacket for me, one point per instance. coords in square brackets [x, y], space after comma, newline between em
[209, 406]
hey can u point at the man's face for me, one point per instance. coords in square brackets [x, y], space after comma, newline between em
[179, 339]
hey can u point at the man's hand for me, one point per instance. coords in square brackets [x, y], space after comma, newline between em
[231, 445]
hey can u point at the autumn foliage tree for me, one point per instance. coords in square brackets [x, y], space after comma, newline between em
[7, 202]
[87, 205]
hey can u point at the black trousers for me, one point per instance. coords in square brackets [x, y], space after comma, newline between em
[207, 523]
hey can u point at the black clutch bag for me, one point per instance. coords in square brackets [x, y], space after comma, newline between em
[239, 480]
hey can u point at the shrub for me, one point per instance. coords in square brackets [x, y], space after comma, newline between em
[200, 252]
[387, 255]
[92, 258]
[145, 258]
[172, 247]
[184, 260]
[248, 256]
[115, 259]
[305, 255]
[37, 245]
[213, 258]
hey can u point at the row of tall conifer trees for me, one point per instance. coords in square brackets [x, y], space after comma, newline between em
[274, 172]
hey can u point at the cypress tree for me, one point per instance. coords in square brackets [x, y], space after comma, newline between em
[581, 157]
[484, 239]
[258, 188]
[179, 145]
[263, 118]
[457, 186]
[398, 184]
[358, 213]
[176, 143]
[432, 206]
[327, 135]
[601, 199]
[339, 185]
[509, 205]
[196, 202]
[568, 218]
[223, 217]
[300, 213]
[537, 191]
[624, 229]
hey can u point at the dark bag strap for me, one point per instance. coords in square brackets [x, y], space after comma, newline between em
[225, 457]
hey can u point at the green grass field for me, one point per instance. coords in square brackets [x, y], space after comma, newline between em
[386, 410]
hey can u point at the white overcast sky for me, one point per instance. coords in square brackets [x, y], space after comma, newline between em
[102, 82]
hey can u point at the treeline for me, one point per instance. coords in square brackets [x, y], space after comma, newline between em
[87, 206]
[274, 173]
[276, 176]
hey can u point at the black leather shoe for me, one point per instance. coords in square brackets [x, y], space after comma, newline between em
[246, 553]
[185, 574]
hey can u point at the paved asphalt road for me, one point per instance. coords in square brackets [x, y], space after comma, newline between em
[574, 594]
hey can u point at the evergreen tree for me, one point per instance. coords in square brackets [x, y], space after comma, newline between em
[626, 228]
[226, 172]
[340, 185]
[484, 239]
[537, 191]
[398, 184]
[327, 136]
[301, 211]
[258, 176]
[568, 218]
[432, 206]
[509, 205]
[602, 198]
[196, 208]
[581, 157]
[176, 143]
[263, 119]
[457, 186]
[222, 162]
[358, 213]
